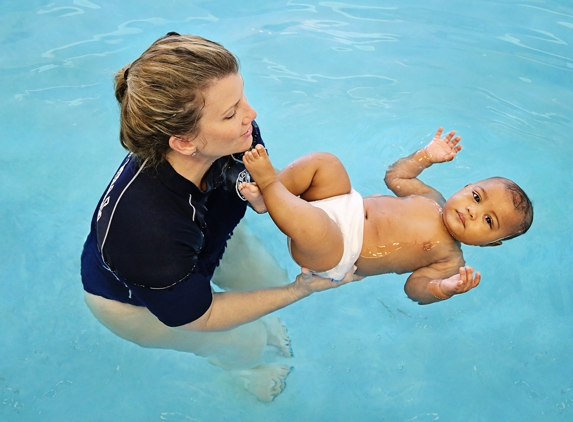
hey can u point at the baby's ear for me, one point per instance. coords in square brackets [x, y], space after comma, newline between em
[496, 243]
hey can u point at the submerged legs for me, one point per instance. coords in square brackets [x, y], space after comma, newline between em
[239, 350]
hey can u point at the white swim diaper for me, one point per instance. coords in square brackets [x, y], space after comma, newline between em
[347, 211]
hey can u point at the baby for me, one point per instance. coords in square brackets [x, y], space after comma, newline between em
[333, 230]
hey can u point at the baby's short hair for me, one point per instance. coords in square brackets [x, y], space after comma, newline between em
[522, 205]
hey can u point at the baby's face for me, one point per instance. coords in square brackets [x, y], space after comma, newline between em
[481, 213]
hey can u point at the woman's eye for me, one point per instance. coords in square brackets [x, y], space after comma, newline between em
[476, 197]
[488, 220]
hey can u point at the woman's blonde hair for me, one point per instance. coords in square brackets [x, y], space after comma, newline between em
[161, 93]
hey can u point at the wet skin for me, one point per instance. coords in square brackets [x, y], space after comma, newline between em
[404, 234]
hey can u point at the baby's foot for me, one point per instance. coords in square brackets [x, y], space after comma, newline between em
[264, 381]
[277, 335]
[253, 194]
[260, 167]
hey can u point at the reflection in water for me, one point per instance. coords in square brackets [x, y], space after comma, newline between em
[125, 29]
[370, 11]
[346, 37]
[284, 73]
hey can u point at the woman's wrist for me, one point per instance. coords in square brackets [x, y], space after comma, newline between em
[296, 291]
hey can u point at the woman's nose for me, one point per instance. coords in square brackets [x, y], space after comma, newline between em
[250, 113]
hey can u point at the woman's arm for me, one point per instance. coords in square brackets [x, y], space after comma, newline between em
[230, 309]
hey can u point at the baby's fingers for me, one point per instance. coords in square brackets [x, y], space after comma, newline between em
[467, 277]
[450, 138]
[477, 279]
[450, 135]
[463, 274]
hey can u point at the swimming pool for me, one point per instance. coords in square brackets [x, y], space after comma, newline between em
[368, 81]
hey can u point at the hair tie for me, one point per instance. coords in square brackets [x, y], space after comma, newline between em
[125, 74]
[169, 34]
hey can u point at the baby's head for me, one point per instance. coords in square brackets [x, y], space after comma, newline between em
[487, 212]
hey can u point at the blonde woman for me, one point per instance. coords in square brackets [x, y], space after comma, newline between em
[162, 225]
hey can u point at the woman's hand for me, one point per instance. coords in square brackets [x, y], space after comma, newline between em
[307, 283]
[443, 149]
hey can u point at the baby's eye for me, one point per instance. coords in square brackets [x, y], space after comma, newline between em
[488, 220]
[476, 196]
[231, 116]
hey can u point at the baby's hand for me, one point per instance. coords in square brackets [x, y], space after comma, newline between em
[253, 194]
[460, 283]
[443, 149]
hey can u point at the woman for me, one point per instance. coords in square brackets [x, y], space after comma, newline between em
[162, 225]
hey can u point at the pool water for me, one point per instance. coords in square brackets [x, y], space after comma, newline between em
[369, 81]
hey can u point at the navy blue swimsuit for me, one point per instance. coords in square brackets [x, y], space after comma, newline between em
[156, 238]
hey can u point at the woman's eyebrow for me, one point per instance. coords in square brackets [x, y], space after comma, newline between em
[237, 103]
[232, 107]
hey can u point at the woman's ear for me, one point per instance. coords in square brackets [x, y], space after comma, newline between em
[182, 145]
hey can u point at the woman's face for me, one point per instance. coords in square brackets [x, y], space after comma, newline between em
[225, 127]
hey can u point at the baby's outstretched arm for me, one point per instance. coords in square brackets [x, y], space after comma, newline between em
[457, 284]
[440, 150]
[401, 177]
[425, 285]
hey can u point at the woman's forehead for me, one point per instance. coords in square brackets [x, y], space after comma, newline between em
[224, 93]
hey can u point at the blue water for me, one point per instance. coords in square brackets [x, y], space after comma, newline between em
[369, 81]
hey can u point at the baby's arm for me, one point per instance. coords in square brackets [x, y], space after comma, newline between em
[401, 177]
[425, 289]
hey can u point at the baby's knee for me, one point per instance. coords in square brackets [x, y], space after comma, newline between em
[326, 158]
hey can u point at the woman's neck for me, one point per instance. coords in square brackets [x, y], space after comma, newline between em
[193, 168]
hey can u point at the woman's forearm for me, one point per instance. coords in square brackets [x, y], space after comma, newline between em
[231, 309]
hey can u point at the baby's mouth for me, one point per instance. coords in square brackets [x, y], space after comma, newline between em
[462, 219]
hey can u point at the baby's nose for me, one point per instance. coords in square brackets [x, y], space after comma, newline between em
[471, 212]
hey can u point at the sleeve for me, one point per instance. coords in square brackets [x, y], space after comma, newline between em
[178, 304]
[154, 248]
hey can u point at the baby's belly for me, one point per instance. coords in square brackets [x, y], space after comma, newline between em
[367, 266]
[395, 257]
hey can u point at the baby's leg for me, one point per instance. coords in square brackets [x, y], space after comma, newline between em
[316, 240]
[252, 193]
[315, 176]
